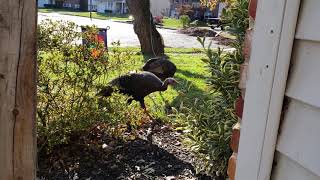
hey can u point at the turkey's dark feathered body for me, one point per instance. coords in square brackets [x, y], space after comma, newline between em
[161, 67]
[137, 85]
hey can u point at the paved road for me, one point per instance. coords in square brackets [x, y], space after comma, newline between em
[124, 32]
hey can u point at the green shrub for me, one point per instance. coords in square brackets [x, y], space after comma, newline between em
[236, 18]
[70, 75]
[185, 20]
[208, 133]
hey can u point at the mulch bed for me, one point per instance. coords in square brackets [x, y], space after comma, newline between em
[201, 32]
[223, 41]
[97, 156]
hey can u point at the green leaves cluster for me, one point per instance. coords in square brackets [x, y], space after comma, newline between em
[236, 18]
[185, 20]
[209, 132]
[70, 75]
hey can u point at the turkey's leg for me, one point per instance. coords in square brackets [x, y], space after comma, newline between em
[150, 129]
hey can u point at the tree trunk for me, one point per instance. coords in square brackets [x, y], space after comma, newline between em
[150, 39]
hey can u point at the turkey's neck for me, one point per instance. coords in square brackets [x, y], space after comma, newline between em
[164, 86]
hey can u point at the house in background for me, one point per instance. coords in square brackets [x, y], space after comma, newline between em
[76, 4]
[42, 3]
[160, 8]
[197, 7]
[174, 4]
[92, 5]
[110, 6]
[71, 4]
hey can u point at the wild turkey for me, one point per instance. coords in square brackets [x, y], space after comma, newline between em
[161, 67]
[137, 85]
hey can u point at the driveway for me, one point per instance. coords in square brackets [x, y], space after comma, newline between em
[125, 33]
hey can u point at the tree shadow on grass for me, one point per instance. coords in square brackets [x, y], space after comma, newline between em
[191, 74]
[189, 95]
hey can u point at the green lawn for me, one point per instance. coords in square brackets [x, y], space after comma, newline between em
[191, 75]
[95, 15]
[167, 22]
[172, 23]
[176, 23]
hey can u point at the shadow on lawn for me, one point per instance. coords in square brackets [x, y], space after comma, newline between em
[191, 74]
[190, 95]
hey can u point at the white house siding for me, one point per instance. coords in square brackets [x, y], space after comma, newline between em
[282, 142]
[114, 6]
[160, 7]
[298, 144]
[92, 5]
[101, 6]
[42, 2]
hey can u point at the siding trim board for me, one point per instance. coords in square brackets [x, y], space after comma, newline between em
[268, 68]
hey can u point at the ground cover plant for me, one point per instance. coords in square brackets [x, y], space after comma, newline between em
[208, 132]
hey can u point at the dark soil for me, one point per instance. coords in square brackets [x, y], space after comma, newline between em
[201, 32]
[97, 156]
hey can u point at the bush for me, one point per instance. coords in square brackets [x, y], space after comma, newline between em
[185, 20]
[236, 17]
[158, 20]
[208, 133]
[70, 75]
[185, 10]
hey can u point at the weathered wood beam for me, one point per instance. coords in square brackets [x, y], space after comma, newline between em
[17, 89]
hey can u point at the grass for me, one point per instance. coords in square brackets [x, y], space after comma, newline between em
[167, 50]
[95, 15]
[167, 22]
[172, 23]
[191, 75]
[176, 23]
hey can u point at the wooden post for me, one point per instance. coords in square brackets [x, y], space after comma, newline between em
[17, 89]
